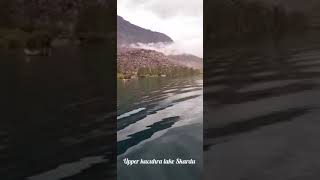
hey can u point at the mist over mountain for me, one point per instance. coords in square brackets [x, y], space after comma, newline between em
[142, 52]
[128, 33]
[187, 60]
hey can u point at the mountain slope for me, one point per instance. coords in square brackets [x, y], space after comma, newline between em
[142, 62]
[128, 33]
[188, 60]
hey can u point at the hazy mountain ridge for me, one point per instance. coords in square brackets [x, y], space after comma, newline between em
[128, 33]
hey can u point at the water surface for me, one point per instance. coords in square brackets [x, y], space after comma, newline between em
[262, 110]
[160, 118]
[58, 118]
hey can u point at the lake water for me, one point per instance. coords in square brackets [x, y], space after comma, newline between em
[262, 110]
[160, 118]
[58, 114]
[59, 118]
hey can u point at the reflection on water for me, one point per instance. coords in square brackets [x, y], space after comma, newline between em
[59, 113]
[69, 169]
[160, 118]
[262, 109]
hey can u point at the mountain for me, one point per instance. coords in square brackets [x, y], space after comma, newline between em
[141, 62]
[137, 62]
[128, 33]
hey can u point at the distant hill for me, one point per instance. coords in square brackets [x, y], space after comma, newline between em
[128, 33]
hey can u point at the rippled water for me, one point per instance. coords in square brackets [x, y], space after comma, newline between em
[58, 113]
[262, 111]
[160, 118]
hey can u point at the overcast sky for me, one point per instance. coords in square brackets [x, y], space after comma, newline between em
[180, 19]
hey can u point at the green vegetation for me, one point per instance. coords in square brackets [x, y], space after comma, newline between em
[120, 76]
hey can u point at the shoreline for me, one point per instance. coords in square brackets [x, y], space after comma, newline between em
[156, 76]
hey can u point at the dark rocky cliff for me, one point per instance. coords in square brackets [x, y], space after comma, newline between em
[128, 33]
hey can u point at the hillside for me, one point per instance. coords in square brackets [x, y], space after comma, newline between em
[141, 62]
[128, 33]
[187, 60]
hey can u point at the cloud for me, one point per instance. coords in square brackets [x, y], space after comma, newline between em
[175, 48]
[166, 8]
[180, 19]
